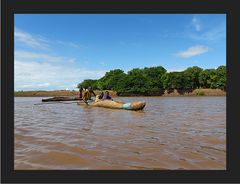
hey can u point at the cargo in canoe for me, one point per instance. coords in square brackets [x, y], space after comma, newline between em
[117, 105]
[60, 98]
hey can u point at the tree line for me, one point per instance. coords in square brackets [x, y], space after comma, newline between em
[153, 80]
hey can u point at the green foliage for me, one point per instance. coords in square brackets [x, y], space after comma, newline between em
[111, 79]
[221, 77]
[191, 77]
[211, 78]
[88, 82]
[154, 74]
[205, 78]
[175, 80]
[200, 93]
[137, 81]
[165, 81]
[154, 79]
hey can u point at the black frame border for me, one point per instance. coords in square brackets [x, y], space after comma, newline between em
[11, 7]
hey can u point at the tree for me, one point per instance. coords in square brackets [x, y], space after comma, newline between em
[122, 84]
[173, 80]
[88, 82]
[111, 79]
[137, 82]
[221, 77]
[154, 74]
[191, 77]
[150, 80]
[176, 80]
[165, 79]
[208, 78]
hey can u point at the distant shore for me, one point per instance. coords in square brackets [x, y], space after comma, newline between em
[196, 92]
[54, 93]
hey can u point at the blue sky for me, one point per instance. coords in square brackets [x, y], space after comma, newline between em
[57, 51]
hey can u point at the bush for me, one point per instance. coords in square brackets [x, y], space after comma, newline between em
[152, 80]
[200, 93]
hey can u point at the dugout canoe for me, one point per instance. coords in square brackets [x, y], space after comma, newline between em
[60, 98]
[117, 105]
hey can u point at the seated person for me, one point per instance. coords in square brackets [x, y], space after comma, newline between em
[97, 99]
[101, 95]
[106, 96]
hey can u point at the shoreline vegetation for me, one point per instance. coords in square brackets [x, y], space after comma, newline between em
[150, 81]
[156, 81]
[166, 93]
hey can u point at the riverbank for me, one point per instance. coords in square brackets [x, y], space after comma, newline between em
[175, 92]
[54, 93]
[196, 92]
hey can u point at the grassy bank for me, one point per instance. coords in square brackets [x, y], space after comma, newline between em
[175, 92]
[196, 92]
[53, 93]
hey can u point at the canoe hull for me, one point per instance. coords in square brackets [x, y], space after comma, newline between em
[117, 105]
[60, 98]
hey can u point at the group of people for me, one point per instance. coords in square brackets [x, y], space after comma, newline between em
[86, 95]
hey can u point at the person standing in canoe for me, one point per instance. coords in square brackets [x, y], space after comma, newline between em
[87, 97]
[80, 92]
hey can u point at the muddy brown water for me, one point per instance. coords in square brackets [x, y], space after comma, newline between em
[170, 133]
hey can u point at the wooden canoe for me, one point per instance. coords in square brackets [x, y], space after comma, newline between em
[117, 105]
[60, 98]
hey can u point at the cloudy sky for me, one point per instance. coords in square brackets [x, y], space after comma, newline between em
[59, 51]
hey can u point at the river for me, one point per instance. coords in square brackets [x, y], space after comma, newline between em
[170, 133]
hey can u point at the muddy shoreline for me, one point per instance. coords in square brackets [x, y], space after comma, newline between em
[196, 92]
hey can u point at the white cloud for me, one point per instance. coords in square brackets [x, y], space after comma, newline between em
[176, 69]
[46, 76]
[33, 41]
[37, 70]
[154, 65]
[44, 84]
[193, 51]
[26, 86]
[26, 56]
[40, 42]
[215, 34]
[74, 45]
[72, 60]
[196, 23]
[69, 44]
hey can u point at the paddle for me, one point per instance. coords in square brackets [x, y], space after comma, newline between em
[55, 103]
[85, 102]
[61, 102]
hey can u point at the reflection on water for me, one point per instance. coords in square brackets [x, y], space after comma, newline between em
[171, 133]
